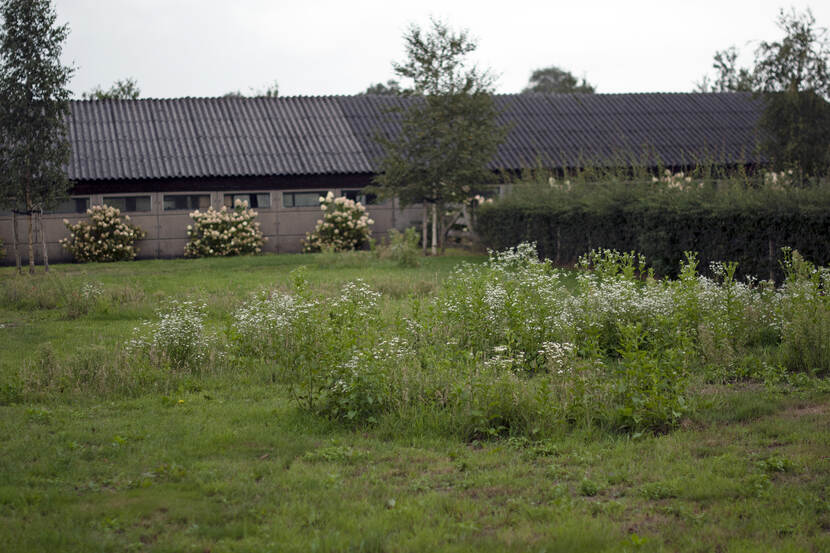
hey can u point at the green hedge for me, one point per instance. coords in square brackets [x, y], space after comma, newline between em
[747, 226]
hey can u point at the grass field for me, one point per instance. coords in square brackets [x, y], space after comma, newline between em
[225, 459]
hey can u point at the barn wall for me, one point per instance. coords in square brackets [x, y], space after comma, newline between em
[284, 227]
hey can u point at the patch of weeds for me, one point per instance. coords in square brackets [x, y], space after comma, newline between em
[756, 485]
[533, 449]
[659, 490]
[607, 508]
[589, 488]
[334, 454]
[775, 463]
[39, 415]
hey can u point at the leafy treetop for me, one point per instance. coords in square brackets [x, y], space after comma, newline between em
[126, 89]
[34, 147]
[553, 80]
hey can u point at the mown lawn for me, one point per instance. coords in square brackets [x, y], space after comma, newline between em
[227, 462]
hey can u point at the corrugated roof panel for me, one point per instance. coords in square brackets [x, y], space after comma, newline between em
[201, 137]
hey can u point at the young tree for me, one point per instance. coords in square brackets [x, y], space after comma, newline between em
[794, 74]
[793, 78]
[553, 80]
[729, 77]
[126, 89]
[33, 111]
[449, 131]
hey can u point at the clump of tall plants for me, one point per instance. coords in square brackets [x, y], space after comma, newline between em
[517, 346]
[176, 339]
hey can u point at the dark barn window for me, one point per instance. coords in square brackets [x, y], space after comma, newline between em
[72, 205]
[129, 203]
[253, 200]
[360, 196]
[188, 201]
[302, 199]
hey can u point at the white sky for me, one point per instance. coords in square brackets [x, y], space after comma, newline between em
[317, 47]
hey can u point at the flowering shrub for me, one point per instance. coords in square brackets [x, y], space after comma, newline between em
[224, 232]
[176, 339]
[780, 180]
[678, 181]
[344, 226]
[105, 237]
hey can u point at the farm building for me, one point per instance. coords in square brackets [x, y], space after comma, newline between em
[158, 160]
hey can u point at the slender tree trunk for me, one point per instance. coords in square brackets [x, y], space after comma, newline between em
[435, 228]
[15, 240]
[43, 240]
[425, 228]
[31, 244]
[30, 237]
[443, 230]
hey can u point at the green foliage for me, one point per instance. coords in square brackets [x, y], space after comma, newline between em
[391, 88]
[729, 77]
[33, 85]
[126, 89]
[720, 220]
[449, 134]
[104, 237]
[652, 384]
[553, 80]
[798, 131]
[34, 147]
[793, 77]
[805, 343]
[318, 344]
[212, 459]
[403, 247]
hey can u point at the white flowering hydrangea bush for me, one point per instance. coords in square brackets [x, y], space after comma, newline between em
[224, 232]
[103, 236]
[345, 226]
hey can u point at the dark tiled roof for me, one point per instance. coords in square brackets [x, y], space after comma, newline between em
[215, 137]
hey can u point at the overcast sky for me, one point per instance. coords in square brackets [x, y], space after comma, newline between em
[317, 47]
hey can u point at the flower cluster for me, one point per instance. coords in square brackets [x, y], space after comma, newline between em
[780, 180]
[224, 232]
[177, 339]
[677, 181]
[344, 226]
[104, 237]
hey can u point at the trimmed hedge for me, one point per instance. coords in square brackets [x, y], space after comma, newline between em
[747, 226]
